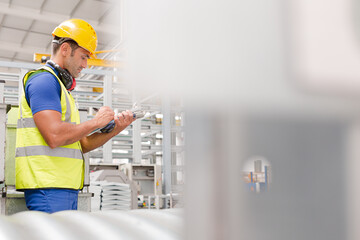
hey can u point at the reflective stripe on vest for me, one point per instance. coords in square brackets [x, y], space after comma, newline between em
[46, 150]
[28, 123]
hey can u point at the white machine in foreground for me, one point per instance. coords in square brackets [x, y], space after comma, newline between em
[134, 224]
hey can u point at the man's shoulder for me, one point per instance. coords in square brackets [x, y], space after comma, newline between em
[41, 80]
[40, 73]
[42, 77]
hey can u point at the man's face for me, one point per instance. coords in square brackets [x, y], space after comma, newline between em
[76, 61]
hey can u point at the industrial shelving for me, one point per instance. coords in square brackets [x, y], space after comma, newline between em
[149, 140]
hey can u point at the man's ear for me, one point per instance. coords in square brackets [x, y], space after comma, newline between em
[65, 49]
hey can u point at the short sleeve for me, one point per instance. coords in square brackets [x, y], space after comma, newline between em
[42, 92]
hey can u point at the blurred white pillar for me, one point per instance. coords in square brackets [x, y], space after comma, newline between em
[166, 143]
[107, 148]
[214, 179]
[136, 137]
[353, 182]
[2, 82]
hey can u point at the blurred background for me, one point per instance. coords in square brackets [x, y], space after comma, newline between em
[272, 81]
[254, 106]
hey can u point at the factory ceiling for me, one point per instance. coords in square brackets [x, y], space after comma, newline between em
[26, 26]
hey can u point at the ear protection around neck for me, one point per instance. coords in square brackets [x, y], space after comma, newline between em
[64, 75]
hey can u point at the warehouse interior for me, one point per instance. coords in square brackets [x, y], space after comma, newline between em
[127, 173]
[250, 126]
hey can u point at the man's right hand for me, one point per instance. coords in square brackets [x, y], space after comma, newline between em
[104, 116]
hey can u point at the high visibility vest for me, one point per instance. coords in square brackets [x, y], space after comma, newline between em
[36, 164]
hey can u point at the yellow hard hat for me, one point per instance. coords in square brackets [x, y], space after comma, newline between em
[80, 31]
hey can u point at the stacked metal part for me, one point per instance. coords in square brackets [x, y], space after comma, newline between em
[71, 225]
[110, 196]
[115, 196]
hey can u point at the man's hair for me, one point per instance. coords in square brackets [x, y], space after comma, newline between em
[56, 43]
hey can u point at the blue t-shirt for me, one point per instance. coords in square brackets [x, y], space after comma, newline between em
[43, 92]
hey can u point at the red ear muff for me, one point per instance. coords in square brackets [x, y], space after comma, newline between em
[73, 85]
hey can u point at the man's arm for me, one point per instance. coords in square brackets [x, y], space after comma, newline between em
[96, 140]
[58, 133]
